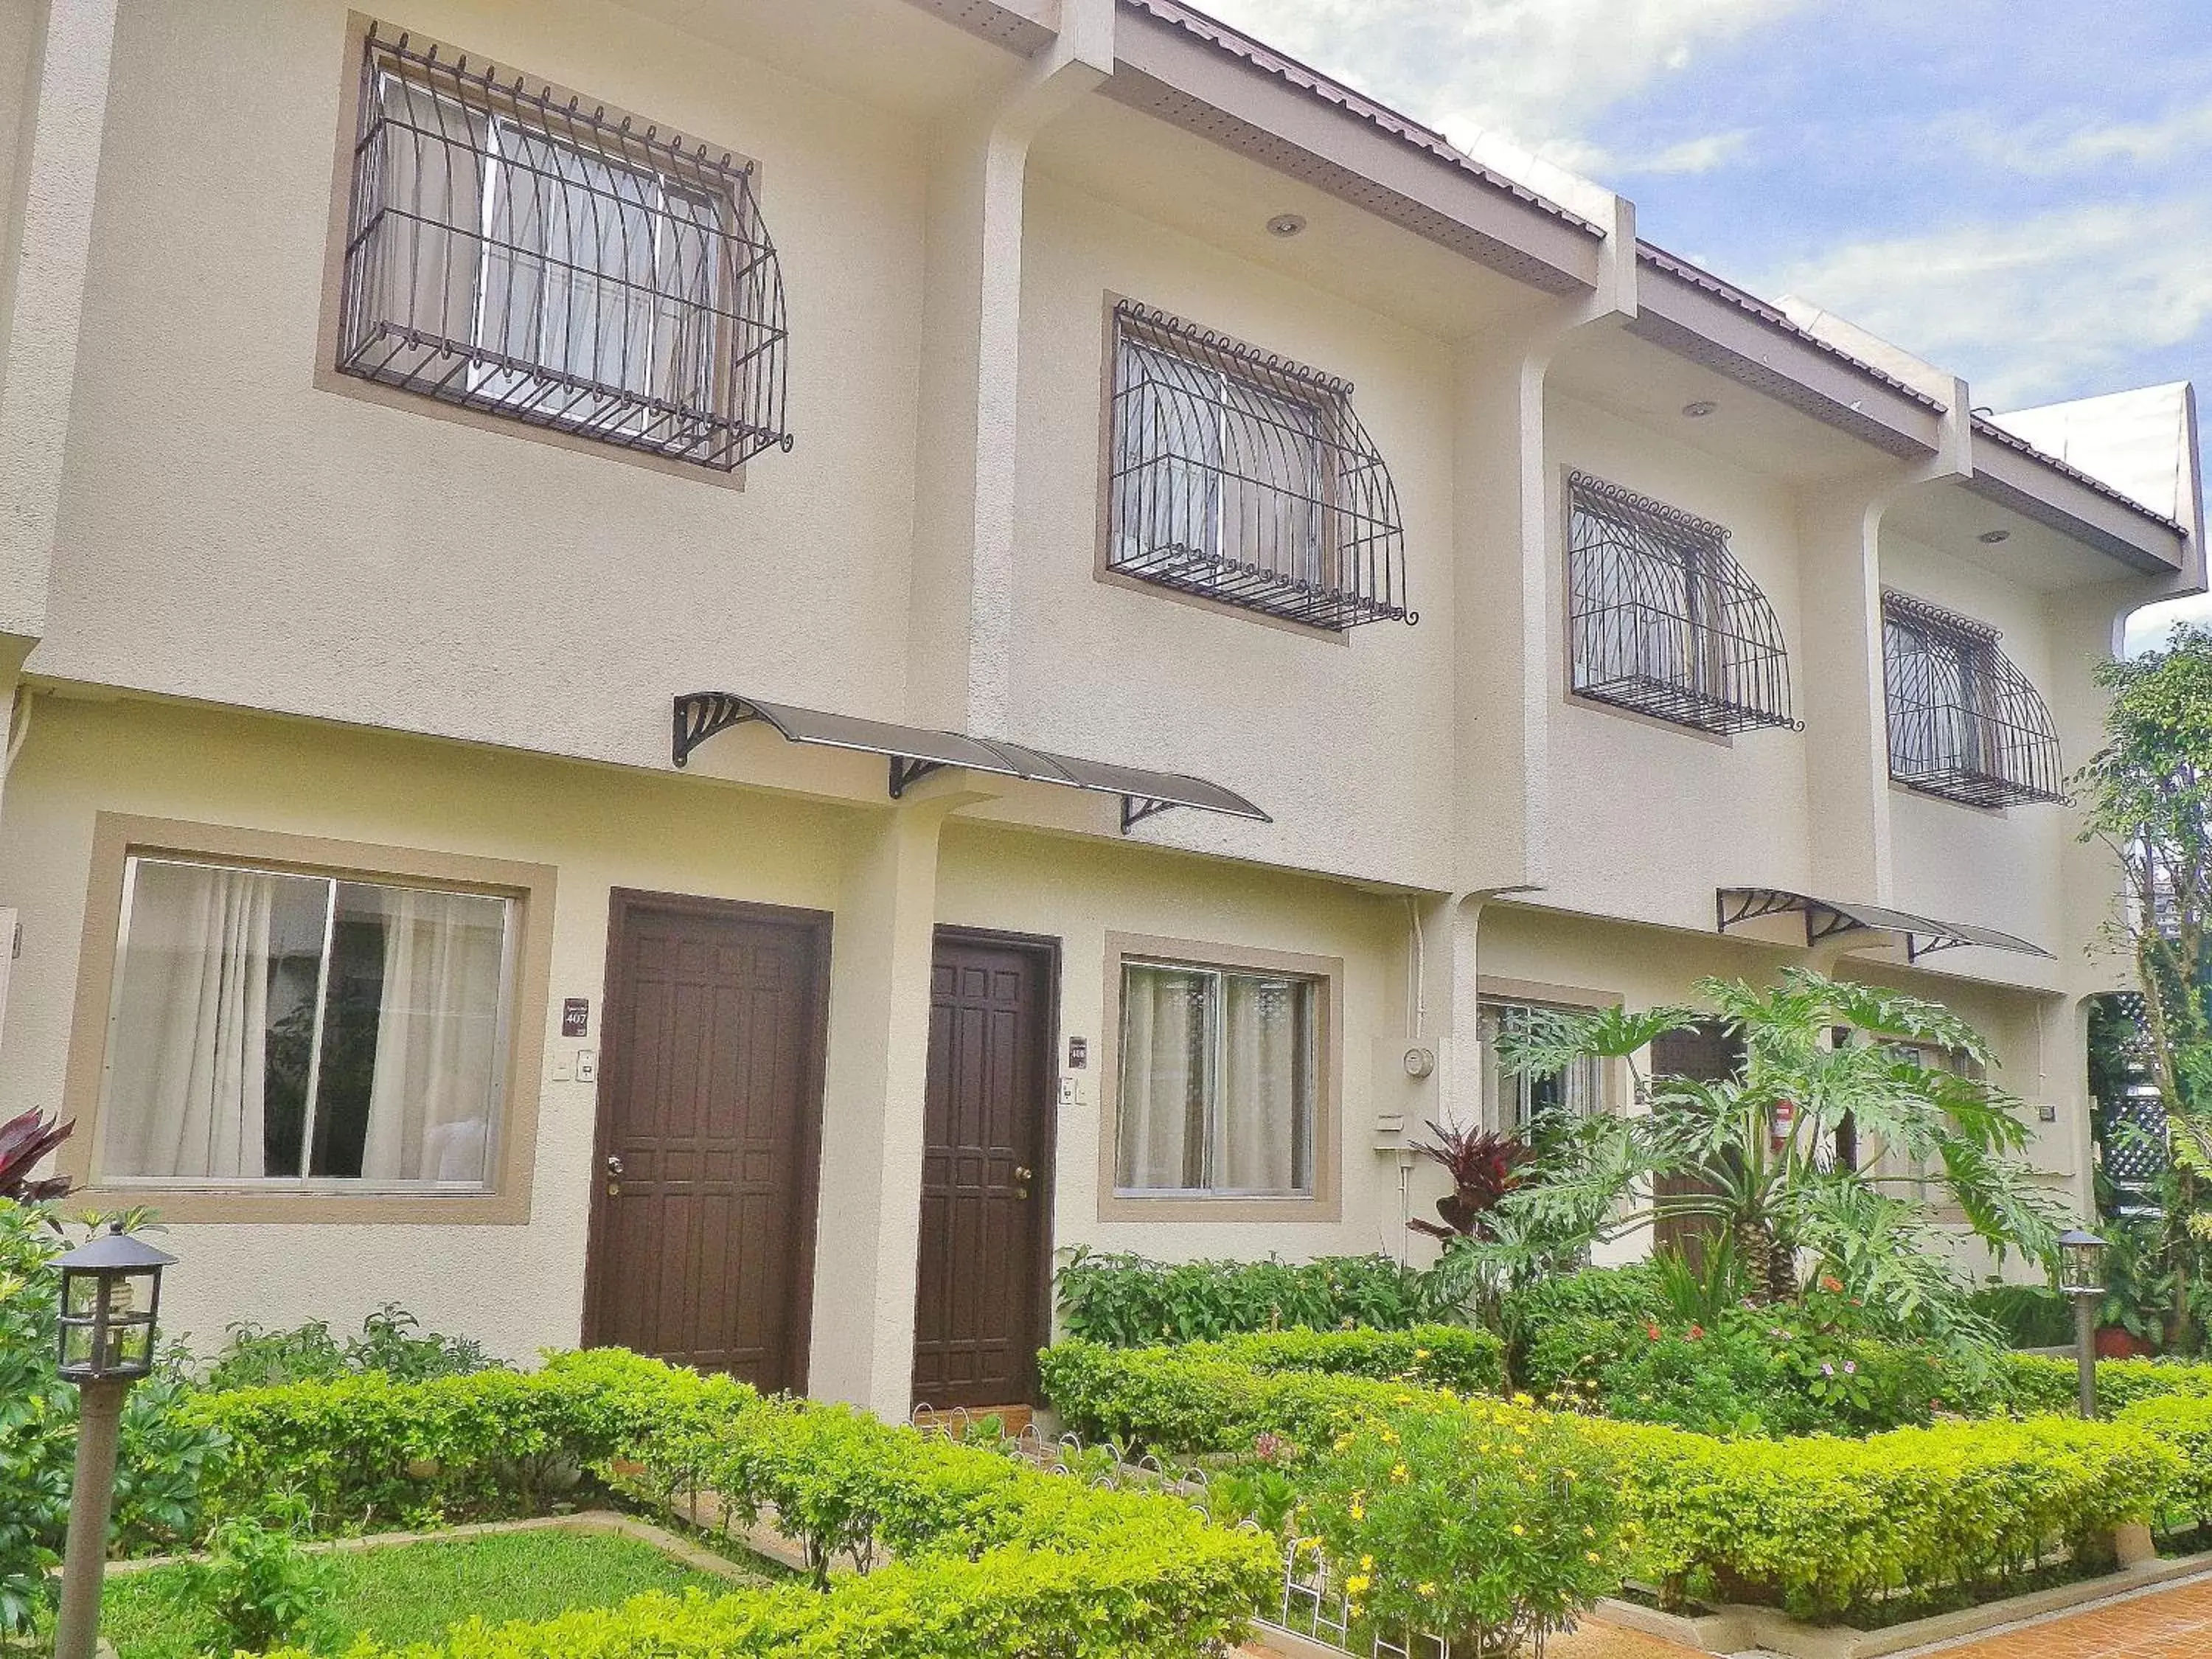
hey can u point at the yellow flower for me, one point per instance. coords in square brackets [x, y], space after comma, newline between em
[1523, 1399]
[1399, 1475]
[1520, 1531]
[1351, 1609]
[1357, 1584]
[1403, 1399]
[1420, 1353]
[1425, 1588]
[1367, 1563]
[1592, 1556]
[1590, 1532]
[1359, 1510]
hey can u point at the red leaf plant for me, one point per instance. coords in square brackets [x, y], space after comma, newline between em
[1483, 1165]
[23, 1142]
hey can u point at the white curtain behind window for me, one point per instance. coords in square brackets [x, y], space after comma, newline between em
[188, 1050]
[1169, 454]
[1265, 1094]
[435, 1082]
[1163, 1061]
[429, 184]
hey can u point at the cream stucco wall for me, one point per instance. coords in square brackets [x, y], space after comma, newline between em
[231, 532]
[521, 1287]
[1348, 738]
[1649, 818]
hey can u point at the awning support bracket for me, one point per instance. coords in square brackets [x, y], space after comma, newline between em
[703, 714]
[905, 772]
[1136, 809]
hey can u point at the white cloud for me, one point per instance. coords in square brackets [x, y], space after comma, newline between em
[2062, 144]
[1700, 155]
[1537, 70]
[2031, 307]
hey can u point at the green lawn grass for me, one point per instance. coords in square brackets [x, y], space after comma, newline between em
[415, 1592]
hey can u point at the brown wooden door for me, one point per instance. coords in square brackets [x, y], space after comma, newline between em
[710, 1118]
[1707, 1052]
[980, 1305]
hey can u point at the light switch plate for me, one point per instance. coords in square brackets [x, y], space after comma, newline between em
[588, 1065]
[1071, 1091]
[564, 1066]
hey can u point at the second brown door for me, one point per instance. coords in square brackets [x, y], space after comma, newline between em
[980, 1307]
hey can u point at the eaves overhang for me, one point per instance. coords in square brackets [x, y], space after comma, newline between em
[2015, 475]
[1012, 27]
[1695, 314]
[1182, 67]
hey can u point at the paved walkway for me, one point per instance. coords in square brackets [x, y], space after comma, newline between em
[2165, 1624]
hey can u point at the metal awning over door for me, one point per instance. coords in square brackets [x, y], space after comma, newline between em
[1825, 918]
[914, 752]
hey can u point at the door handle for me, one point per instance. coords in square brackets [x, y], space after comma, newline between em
[1020, 1174]
[614, 1163]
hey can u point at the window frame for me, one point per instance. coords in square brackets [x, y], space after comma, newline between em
[1336, 431]
[529, 890]
[484, 415]
[1492, 991]
[1324, 1202]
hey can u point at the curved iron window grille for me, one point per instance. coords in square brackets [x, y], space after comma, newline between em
[1663, 620]
[1964, 722]
[514, 253]
[1246, 478]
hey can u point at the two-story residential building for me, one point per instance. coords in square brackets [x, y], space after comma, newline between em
[706, 675]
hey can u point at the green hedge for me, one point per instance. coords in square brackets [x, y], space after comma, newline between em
[1446, 1356]
[995, 1556]
[1131, 1301]
[1821, 1524]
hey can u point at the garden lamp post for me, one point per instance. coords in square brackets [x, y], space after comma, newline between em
[2082, 1276]
[111, 1294]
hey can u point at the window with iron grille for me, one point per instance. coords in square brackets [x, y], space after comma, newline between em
[1663, 620]
[1964, 722]
[525, 254]
[1242, 477]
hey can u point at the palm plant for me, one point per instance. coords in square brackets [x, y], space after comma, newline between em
[1752, 1157]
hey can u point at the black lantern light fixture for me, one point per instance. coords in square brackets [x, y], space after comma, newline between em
[110, 1298]
[2082, 1277]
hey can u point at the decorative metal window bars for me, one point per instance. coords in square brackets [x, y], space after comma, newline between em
[1247, 478]
[513, 252]
[1964, 722]
[1663, 620]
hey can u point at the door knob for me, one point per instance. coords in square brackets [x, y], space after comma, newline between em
[614, 1163]
[1020, 1174]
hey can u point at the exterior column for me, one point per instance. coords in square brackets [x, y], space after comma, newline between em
[42, 272]
[1840, 693]
[869, 1228]
[960, 651]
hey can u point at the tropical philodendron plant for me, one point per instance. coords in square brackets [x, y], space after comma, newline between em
[1484, 1166]
[24, 1142]
[1755, 1158]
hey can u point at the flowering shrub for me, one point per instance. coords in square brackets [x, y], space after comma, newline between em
[1484, 1525]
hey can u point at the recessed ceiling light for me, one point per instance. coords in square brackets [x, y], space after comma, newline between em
[1699, 409]
[1286, 224]
[1991, 537]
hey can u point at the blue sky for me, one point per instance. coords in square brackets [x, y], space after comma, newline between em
[2019, 190]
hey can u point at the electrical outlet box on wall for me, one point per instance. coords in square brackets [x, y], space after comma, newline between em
[1404, 1071]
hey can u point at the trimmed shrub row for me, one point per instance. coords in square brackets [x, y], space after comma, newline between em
[994, 1557]
[1131, 1301]
[1821, 1525]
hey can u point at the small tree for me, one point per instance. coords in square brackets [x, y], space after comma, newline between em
[1754, 1156]
[2147, 793]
